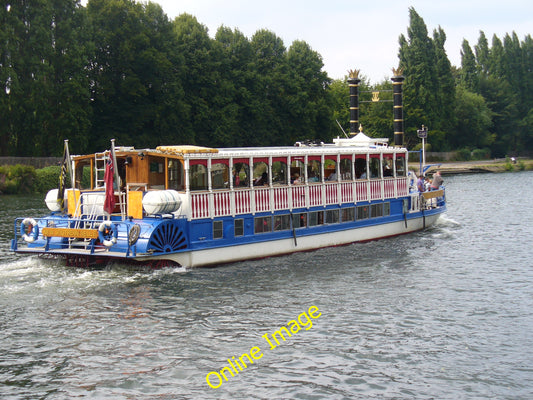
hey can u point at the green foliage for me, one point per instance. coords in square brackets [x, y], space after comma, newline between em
[16, 179]
[47, 179]
[509, 166]
[121, 69]
[481, 154]
[463, 155]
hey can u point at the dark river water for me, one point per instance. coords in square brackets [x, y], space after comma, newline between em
[446, 313]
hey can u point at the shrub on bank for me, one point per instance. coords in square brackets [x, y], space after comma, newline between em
[24, 179]
[481, 154]
[16, 179]
[462, 155]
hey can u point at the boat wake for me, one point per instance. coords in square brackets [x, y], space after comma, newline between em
[446, 222]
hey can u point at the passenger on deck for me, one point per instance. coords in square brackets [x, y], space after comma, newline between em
[427, 184]
[313, 177]
[236, 179]
[262, 180]
[437, 181]
[420, 184]
[295, 179]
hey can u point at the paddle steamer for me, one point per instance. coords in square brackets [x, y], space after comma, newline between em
[198, 206]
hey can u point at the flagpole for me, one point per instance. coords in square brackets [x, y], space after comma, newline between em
[117, 176]
[69, 164]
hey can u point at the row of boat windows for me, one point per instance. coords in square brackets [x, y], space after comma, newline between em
[307, 219]
[169, 173]
[260, 173]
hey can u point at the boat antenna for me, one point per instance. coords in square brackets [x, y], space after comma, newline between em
[340, 126]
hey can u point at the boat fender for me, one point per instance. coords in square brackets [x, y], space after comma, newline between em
[133, 236]
[29, 230]
[107, 233]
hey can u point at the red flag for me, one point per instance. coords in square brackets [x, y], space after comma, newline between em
[109, 203]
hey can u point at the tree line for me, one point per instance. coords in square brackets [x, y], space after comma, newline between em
[121, 69]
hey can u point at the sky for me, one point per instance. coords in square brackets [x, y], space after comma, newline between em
[363, 35]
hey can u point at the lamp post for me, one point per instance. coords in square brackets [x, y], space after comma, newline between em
[423, 134]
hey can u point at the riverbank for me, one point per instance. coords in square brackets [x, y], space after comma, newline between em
[481, 166]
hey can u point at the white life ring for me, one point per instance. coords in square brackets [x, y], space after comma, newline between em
[29, 230]
[107, 232]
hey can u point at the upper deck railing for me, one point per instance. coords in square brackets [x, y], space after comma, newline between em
[231, 202]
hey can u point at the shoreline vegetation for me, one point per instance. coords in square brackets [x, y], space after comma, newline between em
[25, 179]
[479, 166]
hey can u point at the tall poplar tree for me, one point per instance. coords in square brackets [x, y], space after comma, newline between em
[44, 55]
[469, 72]
[136, 97]
[417, 59]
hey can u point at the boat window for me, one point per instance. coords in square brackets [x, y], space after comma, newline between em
[360, 167]
[175, 174]
[282, 222]
[348, 214]
[260, 175]
[346, 168]
[376, 210]
[314, 171]
[262, 224]
[375, 172]
[332, 216]
[387, 165]
[238, 227]
[156, 177]
[198, 177]
[299, 220]
[362, 212]
[218, 232]
[82, 175]
[240, 173]
[330, 170]
[400, 165]
[297, 170]
[316, 218]
[386, 209]
[279, 172]
[219, 175]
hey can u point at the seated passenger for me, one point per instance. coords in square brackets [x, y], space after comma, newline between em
[295, 179]
[262, 180]
[313, 177]
[332, 176]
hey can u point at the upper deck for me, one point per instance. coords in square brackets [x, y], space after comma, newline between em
[231, 181]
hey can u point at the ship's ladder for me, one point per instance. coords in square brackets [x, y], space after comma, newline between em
[100, 161]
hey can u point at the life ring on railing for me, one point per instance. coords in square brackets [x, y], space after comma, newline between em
[29, 230]
[107, 233]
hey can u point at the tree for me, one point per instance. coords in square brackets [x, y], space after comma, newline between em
[307, 95]
[417, 59]
[269, 105]
[136, 96]
[475, 121]
[48, 98]
[469, 75]
[483, 54]
[446, 121]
